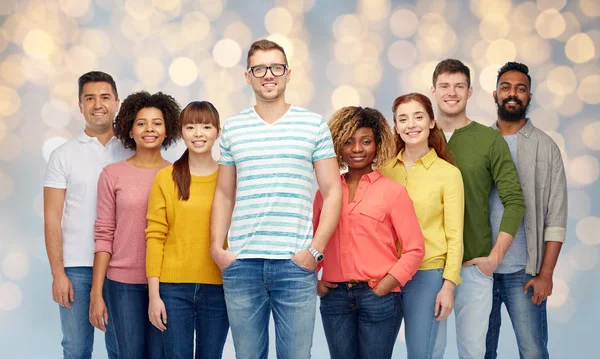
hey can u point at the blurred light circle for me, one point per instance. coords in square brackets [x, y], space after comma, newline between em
[56, 114]
[286, 43]
[402, 54]
[10, 102]
[240, 32]
[227, 53]
[139, 9]
[337, 73]
[211, 8]
[589, 89]
[558, 139]
[534, 50]
[587, 230]
[6, 185]
[10, 71]
[374, 10]
[80, 60]
[544, 119]
[478, 53]
[172, 39]
[195, 26]
[584, 169]
[571, 105]
[16, 265]
[368, 75]
[167, 5]
[51, 144]
[301, 52]
[135, 30]
[579, 204]
[580, 48]
[96, 40]
[550, 24]
[493, 27]
[438, 38]
[10, 296]
[348, 26]
[279, 20]
[522, 15]
[551, 4]
[546, 98]
[348, 50]
[404, 23]
[150, 70]
[38, 44]
[560, 293]
[572, 26]
[183, 71]
[583, 257]
[501, 51]
[487, 78]
[561, 80]
[345, 96]
[482, 8]
[75, 8]
[591, 136]
[590, 8]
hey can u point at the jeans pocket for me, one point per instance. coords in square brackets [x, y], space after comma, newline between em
[481, 273]
[229, 265]
[301, 267]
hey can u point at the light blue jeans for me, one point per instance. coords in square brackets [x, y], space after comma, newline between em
[418, 306]
[472, 307]
[255, 287]
[528, 320]
[78, 332]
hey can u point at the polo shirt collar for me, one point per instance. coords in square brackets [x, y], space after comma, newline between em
[525, 130]
[427, 160]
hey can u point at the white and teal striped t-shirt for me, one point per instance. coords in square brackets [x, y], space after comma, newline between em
[272, 217]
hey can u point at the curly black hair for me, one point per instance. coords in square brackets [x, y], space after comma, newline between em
[514, 66]
[139, 100]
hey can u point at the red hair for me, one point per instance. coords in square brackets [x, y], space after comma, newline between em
[436, 138]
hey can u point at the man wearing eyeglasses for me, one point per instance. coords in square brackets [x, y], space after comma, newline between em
[263, 199]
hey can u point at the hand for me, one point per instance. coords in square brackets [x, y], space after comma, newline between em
[157, 313]
[222, 257]
[323, 287]
[385, 285]
[542, 288]
[304, 259]
[487, 265]
[444, 301]
[62, 290]
[98, 312]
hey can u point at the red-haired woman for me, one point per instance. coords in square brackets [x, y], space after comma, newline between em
[424, 166]
[185, 284]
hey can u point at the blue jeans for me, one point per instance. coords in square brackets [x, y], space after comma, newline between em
[360, 324]
[78, 332]
[254, 287]
[529, 320]
[418, 306]
[472, 307]
[192, 306]
[137, 338]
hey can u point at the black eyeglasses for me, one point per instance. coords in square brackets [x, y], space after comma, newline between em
[261, 70]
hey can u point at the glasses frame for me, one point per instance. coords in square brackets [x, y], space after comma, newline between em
[267, 69]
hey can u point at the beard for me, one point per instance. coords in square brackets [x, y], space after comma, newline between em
[509, 115]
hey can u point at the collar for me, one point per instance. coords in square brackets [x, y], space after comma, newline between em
[427, 160]
[526, 130]
[370, 177]
[84, 138]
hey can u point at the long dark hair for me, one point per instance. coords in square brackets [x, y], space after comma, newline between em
[197, 112]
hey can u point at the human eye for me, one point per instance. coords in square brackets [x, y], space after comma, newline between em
[401, 119]
[419, 117]
[189, 127]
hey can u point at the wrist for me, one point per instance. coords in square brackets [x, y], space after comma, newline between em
[448, 285]
[546, 273]
[59, 272]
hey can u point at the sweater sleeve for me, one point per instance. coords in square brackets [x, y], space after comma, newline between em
[506, 180]
[158, 227]
[410, 238]
[454, 208]
[106, 222]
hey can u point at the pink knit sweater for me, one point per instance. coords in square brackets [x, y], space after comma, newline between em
[123, 192]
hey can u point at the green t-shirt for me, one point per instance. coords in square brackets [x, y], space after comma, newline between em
[484, 160]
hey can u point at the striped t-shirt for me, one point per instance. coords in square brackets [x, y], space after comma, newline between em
[272, 216]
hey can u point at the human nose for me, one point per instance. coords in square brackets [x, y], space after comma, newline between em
[356, 147]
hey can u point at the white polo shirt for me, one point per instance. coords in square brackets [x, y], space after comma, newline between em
[76, 166]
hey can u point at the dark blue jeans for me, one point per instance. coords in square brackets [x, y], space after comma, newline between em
[358, 323]
[529, 320]
[192, 306]
[78, 332]
[137, 338]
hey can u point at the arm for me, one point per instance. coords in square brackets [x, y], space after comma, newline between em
[98, 313]
[322, 286]
[220, 215]
[62, 289]
[157, 313]
[405, 222]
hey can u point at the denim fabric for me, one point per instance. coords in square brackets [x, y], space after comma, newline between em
[199, 307]
[137, 338]
[529, 320]
[472, 307]
[78, 332]
[358, 323]
[255, 287]
[418, 305]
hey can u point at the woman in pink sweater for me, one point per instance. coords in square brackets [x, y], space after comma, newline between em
[145, 123]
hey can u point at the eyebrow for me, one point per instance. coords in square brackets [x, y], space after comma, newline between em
[152, 119]
[414, 113]
[102, 94]
[510, 83]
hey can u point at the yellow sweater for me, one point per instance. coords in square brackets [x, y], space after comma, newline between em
[437, 191]
[177, 237]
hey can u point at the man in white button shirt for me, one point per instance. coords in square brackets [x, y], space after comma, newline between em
[70, 189]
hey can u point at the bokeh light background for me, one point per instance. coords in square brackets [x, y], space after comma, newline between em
[363, 52]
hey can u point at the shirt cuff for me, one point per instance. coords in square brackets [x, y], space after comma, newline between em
[555, 234]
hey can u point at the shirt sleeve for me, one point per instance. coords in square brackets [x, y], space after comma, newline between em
[104, 228]
[454, 209]
[56, 174]
[158, 227]
[324, 145]
[507, 182]
[555, 222]
[410, 238]
[226, 157]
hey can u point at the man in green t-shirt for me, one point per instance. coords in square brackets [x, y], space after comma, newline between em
[485, 161]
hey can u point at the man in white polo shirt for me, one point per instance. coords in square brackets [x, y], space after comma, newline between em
[70, 189]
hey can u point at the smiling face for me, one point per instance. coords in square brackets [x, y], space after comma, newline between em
[199, 138]
[359, 150]
[512, 96]
[268, 88]
[412, 123]
[148, 129]
[451, 92]
[98, 105]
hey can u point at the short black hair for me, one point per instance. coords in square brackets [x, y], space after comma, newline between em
[514, 66]
[96, 76]
[134, 103]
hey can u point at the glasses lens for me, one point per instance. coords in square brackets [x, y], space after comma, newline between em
[259, 71]
[278, 70]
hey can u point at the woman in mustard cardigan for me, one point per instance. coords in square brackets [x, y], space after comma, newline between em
[185, 284]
